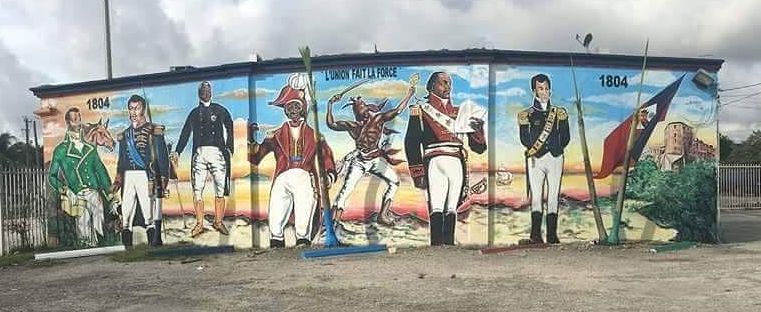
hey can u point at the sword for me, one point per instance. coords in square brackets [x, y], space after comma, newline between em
[351, 87]
[173, 174]
[354, 85]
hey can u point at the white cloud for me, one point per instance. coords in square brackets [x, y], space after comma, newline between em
[511, 73]
[656, 78]
[514, 91]
[470, 96]
[477, 76]
[14, 81]
[64, 39]
[626, 99]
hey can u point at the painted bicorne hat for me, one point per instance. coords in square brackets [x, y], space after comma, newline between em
[287, 95]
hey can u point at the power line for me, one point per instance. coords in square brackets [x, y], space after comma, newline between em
[740, 99]
[747, 107]
[740, 87]
[735, 95]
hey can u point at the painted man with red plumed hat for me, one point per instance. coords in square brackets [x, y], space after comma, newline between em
[294, 183]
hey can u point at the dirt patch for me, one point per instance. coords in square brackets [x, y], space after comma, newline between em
[573, 277]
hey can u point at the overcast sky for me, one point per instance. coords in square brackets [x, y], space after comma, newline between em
[62, 41]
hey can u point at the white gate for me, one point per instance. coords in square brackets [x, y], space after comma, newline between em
[23, 217]
[739, 186]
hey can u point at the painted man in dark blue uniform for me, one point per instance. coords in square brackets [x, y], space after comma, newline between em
[142, 171]
[212, 129]
[544, 132]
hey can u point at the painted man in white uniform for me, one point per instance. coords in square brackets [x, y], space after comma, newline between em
[544, 132]
[436, 155]
[295, 150]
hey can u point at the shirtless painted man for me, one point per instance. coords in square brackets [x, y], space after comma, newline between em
[369, 156]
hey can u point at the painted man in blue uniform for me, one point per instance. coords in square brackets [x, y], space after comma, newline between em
[544, 132]
[212, 129]
[142, 171]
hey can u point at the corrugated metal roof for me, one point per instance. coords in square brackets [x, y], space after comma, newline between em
[470, 56]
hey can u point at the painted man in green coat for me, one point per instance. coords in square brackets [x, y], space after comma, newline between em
[77, 174]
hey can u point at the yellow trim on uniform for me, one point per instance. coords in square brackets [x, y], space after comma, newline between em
[562, 113]
[523, 118]
[414, 110]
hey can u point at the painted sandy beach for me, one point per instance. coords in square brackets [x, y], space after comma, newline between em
[576, 224]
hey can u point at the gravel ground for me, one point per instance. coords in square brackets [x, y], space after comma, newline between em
[571, 277]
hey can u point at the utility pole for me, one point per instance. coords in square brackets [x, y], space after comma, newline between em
[108, 40]
[37, 154]
[26, 132]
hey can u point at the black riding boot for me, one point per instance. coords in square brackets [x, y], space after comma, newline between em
[276, 243]
[536, 227]
[437, 220]
[127, 238]
[450, 220]
[151, 233]
[157, 241]
[552, 228]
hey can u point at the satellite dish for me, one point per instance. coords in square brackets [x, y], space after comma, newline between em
[587, 40]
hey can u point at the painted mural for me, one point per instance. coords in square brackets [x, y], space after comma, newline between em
[545, 193]
[409, 156]
[123, 150]
[404, 152]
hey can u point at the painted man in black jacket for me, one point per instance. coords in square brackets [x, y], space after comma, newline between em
[544, 133]
[212, 129]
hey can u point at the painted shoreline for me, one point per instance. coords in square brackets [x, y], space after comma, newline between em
[576, 223]
[250, 199]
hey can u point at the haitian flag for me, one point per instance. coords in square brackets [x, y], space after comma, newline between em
[614, 147]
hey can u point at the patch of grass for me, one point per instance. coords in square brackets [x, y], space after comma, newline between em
[25, 257]
[141, 253]
[17, 258]
[181, 252]
[137, 253]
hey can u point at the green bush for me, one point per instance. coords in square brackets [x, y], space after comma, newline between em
[684, 200]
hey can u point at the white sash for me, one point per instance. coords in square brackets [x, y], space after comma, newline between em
[439, 117]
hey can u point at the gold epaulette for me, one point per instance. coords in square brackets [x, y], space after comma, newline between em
[562, 113]
[523, 117]
[414, 110]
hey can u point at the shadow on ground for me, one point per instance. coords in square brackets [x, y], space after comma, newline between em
[738, 226]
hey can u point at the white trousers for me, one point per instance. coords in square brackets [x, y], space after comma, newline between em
[292, 191]
[136, 191]
[378, 167]
[208, 159]
[158, 205]
[540, 169]
[445, 181]
[90, 221]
